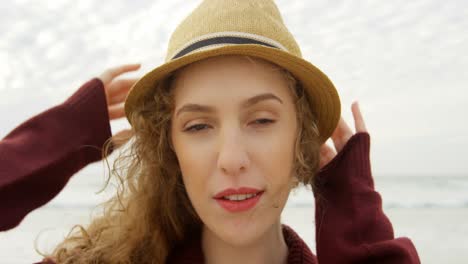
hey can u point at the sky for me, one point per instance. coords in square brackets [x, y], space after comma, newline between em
[404, 61]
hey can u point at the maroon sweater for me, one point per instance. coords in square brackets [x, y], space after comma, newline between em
[39, 156]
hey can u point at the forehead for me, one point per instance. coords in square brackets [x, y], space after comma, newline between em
[229, 77]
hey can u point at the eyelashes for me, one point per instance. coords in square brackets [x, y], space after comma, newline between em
[195, 128]
[200, 127]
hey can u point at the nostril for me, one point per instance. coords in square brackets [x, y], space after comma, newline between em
[233, 162]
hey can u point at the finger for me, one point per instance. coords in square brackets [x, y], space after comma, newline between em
[116, 111]
[119, 89]
[108, 75]
[341, 134]
[358, 119]
[118, 98]
[326, 155]
[117, 86]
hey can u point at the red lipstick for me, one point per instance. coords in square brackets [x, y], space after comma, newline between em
[238, 200]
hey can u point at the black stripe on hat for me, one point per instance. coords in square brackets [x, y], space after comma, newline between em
[220, 40]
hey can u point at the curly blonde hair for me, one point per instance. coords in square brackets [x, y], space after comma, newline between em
[151, 212]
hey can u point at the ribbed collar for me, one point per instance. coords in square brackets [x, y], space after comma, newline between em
[298, 251]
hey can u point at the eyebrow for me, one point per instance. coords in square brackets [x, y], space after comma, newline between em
[247, 103]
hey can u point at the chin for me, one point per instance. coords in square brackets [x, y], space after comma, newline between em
[243, 231]
[241, 237]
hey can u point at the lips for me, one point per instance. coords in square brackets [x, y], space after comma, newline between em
[231, 191]
[238, 200]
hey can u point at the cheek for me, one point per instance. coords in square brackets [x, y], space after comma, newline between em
[194, 166]
[274, 154]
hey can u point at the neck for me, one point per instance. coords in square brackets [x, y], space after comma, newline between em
[269, 248]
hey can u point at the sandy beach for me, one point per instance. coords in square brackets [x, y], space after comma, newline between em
[439, 234]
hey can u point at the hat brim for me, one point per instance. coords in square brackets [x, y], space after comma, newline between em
[322, 93]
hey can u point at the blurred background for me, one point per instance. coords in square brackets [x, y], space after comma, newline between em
[404, 61]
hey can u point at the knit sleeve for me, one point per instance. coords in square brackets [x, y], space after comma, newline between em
[351, 226]
[39, 156]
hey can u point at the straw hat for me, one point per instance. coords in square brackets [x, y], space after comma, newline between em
[242, 27]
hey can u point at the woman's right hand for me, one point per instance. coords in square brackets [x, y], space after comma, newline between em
[116, 92]
[341, 135]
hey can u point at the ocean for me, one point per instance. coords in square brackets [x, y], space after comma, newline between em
[396, 191]
[411, 192]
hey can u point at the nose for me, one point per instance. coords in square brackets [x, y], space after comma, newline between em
[233, 157]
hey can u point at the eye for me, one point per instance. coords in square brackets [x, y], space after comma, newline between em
[196, 128]
[263, 121]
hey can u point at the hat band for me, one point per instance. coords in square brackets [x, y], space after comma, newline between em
[220, 41]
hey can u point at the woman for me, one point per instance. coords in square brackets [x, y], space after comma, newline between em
[222, 132]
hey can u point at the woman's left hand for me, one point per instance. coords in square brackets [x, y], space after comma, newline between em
[116, 92]
[341, 135]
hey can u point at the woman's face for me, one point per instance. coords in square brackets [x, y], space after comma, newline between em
[233, 130]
